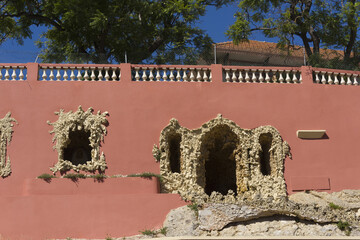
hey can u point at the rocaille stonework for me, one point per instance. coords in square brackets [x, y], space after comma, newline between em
[221, 162]
[93, 124]
[6, 131]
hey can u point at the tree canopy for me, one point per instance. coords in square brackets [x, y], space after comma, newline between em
[102, 31]
[317, 23]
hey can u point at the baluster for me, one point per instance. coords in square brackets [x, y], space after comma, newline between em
[92, 76]
[317, 80]
[21, 75]
[1, 75]
[287, 79]
[330, 80]
[355, 80]
[107, 76]
[300, 79]
[165, 77]
[79, 76]
[323, 79]
[58, 76]
[192, 76]
[137, 76]
[144, 77]
[336, 81]
[72, 75]
[227, 75]
[51, 76]
[13, 75]
[241, 78]
[44, 76]
[233, 78]
[348, 80]
[178, 76]
[100, 75]
[172, 77]
[205, 77]
[342, 81]
[158, 77]
[247, 78]
[295, 80]
[151, 75]
[86, 75]
[113, 76]
[281, 78]
[185, 76]
[65, 76]
[210, 77]
[267, 78]
[198, 76]
[261, 76]
[253, 75]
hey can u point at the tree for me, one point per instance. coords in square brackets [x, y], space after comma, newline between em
[102, 31]
[317, 23]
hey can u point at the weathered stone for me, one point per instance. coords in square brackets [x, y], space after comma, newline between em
[181, 222]
[6, 131]
[94, 124]
[250, 161]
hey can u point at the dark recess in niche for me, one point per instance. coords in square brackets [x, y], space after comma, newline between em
[174, 152]
[265, 141]
[220, 165]
[78, 151]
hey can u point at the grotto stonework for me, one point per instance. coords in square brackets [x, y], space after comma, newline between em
[6, 131]
[221, 162]
[74, 128]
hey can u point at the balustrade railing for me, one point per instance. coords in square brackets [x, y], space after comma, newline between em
[13, 72]
[262, 75]
[160, 73]
[335, 77]
[63, 72]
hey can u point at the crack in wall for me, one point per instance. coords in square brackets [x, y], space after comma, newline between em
[221, 162]
[77, 137]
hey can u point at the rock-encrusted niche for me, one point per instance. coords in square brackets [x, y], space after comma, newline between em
[221, 162]
[6, 124]
[78, 136]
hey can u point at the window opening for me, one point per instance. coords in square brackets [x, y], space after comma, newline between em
[174, 152]
[78, 151]
[265, 141]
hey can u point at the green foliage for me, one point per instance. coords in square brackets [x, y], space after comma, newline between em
[46, 177]
[317, 23]
[194, 207]
[98, 177]
[75, 176]
[147, 175]
[148, 232]
[334, 206]
[344, 226]
[108, 238]
[102, 31]
[163, 231]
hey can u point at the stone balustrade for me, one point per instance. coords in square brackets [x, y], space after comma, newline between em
[163, 73]
[13, 72]
[262, 75]
[67, 72]
[336, 77]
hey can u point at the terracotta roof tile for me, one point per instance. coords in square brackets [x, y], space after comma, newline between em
[253, 46]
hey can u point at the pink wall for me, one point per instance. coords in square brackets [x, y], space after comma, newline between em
[32, 209]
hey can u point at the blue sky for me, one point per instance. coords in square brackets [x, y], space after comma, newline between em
[215, 23]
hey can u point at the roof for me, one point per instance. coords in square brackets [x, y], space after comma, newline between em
[253, 46]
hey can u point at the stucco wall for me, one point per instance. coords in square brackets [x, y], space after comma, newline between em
[138, 111]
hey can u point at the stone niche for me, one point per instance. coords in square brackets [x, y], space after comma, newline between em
[221, 162]
[77, 137]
